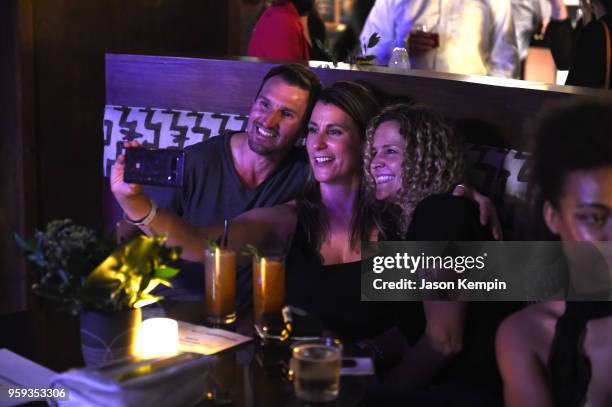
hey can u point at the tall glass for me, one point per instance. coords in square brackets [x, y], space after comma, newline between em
[268, 285]
[316, 370]
[220, 285]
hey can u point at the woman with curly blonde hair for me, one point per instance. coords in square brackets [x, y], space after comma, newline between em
[432, 157]
[413, 159]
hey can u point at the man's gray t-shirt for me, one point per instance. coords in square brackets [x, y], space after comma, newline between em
[212, 191]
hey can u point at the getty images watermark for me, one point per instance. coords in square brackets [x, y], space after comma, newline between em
[486, 271]
[412, 264]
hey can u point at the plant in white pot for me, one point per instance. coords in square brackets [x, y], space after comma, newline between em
[109, 297]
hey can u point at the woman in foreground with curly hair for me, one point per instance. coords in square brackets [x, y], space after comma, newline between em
[413, 160]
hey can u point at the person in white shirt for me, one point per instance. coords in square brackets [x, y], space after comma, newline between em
[475, 37]
[529, 18]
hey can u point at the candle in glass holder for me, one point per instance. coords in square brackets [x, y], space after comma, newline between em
[157, 337]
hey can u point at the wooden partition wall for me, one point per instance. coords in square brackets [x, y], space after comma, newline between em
[52, 57]
[490, 110]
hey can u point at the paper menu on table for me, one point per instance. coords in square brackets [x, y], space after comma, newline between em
[207, 341]
[17, 371]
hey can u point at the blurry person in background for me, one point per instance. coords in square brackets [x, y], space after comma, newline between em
[557, 353]
[283, 32]
[348, 40]
[582, 50]
[317, 31]
[460, 36]
[530, 19]
[590, 64]
[560, 36]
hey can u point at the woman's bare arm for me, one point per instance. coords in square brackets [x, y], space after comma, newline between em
[261, 227]
[441, 341]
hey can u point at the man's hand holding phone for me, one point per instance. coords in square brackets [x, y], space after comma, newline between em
[119, 187]
[135, 204]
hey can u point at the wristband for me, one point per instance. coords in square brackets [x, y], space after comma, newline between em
[147, 219]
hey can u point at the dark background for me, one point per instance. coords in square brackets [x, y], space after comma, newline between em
[51, 108]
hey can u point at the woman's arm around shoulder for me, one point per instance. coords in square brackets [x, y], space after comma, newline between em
[447, 217]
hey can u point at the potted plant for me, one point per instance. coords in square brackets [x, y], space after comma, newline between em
[109, 297]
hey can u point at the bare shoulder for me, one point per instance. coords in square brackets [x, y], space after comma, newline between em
[599, 332]
[597, 348]
[530, 329]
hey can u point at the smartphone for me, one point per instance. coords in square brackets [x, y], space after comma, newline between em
[357, 367]
[162, 167]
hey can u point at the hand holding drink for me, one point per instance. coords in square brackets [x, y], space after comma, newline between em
[421, 40]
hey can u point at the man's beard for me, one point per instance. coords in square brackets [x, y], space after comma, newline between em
[260, 148]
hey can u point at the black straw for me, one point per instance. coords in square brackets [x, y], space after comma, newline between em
[225, 233]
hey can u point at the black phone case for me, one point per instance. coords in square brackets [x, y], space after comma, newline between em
[163, 167]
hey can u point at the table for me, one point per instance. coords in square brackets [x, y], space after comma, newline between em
[255, 373]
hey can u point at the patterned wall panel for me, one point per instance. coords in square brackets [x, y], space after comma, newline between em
[501, 174]
[161, 128]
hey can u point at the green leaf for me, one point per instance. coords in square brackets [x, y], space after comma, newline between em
[214, 243]
[146, 299]
[163, 282]
[373, 40]
[252, 250]
[66, 253]
[165, 272]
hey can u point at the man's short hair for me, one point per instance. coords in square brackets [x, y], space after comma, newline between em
[300, 76]
[571, 137]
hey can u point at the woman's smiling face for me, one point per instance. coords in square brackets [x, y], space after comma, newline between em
[388, 155]
[333, 144]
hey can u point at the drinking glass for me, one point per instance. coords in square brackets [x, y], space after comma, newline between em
[399, 58]
[423, 29]
[315, 367]
[220, 285]
[268, 285]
